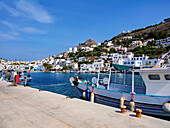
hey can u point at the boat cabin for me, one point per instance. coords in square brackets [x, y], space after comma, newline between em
[157, 81]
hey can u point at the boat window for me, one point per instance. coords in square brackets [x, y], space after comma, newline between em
[154, 77]
[167, 77]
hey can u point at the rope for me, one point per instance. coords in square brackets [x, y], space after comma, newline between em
[66, 91]
[51, 85]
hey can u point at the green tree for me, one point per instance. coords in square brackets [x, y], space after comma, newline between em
[45, 66]
[65, 67]
[49, 66]
[112, 50]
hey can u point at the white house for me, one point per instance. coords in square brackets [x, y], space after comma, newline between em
[74, 49]
[137, 43]
[60, 55]
[86, 49]
[70, 50]
[116, 47]
[86, 68]
[127, 37]
[150, 62]
[81, 59]
[108, 43]
[148, 40]
[98, 44]
[98, 64]
[136, 61]
[104, 57]
[164, 42]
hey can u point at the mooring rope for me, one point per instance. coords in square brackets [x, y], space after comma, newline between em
[51, 85]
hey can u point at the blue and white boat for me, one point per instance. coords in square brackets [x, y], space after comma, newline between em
[153, 99]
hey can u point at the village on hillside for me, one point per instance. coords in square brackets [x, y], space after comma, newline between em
[143, 49]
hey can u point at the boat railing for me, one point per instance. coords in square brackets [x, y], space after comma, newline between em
[127, 88]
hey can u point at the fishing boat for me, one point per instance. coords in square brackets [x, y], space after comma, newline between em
[153, 98]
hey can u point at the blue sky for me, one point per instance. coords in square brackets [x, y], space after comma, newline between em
[35, 29]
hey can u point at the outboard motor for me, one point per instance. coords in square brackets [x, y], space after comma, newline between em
[75, 82]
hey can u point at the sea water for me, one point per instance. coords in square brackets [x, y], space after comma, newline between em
[59, 82]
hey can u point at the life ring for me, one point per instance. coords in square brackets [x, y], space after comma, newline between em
[166, 107]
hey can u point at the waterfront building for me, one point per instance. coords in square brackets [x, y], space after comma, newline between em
[98, 64]
[136, 61]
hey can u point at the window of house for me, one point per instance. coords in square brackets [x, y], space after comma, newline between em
[154, 77]
[167, 77]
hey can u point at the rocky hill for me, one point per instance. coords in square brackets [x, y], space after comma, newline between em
[88, 43]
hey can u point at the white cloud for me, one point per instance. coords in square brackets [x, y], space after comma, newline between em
[27, 9]
[34, 10]
[10, 25]
[6, 36]
[24, 29]
[11, 10]
[32, 30]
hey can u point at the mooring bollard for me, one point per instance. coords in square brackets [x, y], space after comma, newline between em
[121, 101]
[138, 113]
[123, 109]
[92, 95]
[132, 103]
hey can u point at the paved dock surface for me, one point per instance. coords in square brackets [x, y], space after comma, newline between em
[25, 107]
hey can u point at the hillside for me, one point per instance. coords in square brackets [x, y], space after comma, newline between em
[144, 33]
[157, 31]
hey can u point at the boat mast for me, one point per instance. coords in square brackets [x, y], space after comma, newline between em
[132, 81]
[109, 78]
[98, 77]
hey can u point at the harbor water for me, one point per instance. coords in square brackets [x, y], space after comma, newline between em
[59, 82]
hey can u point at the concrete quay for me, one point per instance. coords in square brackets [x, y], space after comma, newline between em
[25, 107]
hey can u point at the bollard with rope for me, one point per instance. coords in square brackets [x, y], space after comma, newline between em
[132, 103]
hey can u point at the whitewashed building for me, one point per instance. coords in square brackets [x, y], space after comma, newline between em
[81, 59]
[74, 49]
[108, 43]
[148, 40]
[137, 43]
[164, 42]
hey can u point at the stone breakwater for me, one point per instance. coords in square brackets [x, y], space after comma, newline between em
[25, 107]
